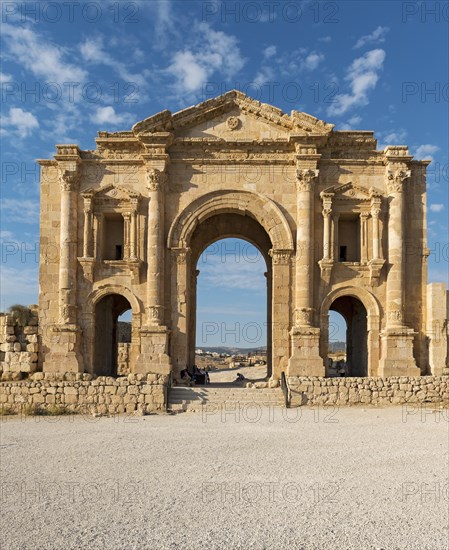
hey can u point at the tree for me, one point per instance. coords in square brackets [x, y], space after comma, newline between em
[22, 314]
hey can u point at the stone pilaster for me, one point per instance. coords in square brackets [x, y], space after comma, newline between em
[396, 339]
[65, 335]
[154, 335]
[305, 358]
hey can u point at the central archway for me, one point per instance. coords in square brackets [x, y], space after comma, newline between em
[230, 214]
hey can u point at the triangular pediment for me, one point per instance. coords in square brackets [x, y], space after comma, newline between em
[113, 193]
[232, 116]
[349, 191]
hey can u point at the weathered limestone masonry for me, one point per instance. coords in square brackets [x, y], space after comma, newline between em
[79, 393]
[340, 224]
[18, 348]
[370, 391]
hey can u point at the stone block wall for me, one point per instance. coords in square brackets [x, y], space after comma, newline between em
[18, 348]
[81, 394]
[437, 328]
[370, 391]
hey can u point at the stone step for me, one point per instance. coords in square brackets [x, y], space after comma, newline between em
[183, 398]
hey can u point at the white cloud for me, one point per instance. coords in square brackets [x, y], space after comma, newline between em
[93, 51]
[376, 37]
[435, 207]
[266, 74]
[362, 76]
[214, 52]
[5, 78]
[23, 211]
[23, 122]
[325, 39]
[312, 61]
[39, 56]
[395, 137]
[353, 121]
[107, 115]
[426, 151]
[269, 51]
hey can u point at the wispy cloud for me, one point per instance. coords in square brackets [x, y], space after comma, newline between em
[20, 121]
[214, 53]
[23, 211]
[108, 116]
[93, 51]
[376, 37]
[436, 207]
[426, 151]
[42, 58]
[362, 75]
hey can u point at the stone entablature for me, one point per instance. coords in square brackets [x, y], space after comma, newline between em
[329, 212]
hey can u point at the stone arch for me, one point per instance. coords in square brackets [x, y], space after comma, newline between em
[93, 302]
[373, 319]
[258, 210]
[248, 203]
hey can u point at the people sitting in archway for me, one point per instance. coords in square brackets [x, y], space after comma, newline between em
[341, 368]
[186, 377]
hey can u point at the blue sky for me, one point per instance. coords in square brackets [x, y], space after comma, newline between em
[71, 69]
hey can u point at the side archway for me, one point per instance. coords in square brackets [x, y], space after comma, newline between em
[362, 315]
[104, 306]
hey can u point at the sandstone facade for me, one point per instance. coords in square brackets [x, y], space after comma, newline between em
[341, 226]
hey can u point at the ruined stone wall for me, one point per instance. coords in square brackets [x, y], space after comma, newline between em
[370, 391]
[18, 348]
[80, 394]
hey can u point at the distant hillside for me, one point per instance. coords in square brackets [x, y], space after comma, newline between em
[234, 351]
[335, 347]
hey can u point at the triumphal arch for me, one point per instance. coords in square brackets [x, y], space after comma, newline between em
[341, 226]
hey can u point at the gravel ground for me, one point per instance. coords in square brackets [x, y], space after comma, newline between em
[346, 479]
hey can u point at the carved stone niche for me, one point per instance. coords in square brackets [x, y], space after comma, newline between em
[99, 206]
[365, 205]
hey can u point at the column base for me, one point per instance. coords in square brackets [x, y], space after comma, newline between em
[64, 355]
[397, 353]
[305, 359]
[153, 357]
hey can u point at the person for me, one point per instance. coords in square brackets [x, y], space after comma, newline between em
[239, 378]
[341, 368]
[186, 377]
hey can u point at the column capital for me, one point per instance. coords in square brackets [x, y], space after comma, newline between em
[180, 255]
[305, 178]
[156, 179]
[364, 215]
[69, 178]
[280, 256]
[394, 180]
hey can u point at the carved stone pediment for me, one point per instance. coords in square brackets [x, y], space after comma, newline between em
[349, 192]
[113, 196]
[228, 116]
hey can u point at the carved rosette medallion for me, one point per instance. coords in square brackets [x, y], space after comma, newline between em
[232, 123]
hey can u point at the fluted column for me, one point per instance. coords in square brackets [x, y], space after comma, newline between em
[305, 180]
[156, 181]
[69, 179]
[327, 237]
[334, 236]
